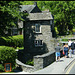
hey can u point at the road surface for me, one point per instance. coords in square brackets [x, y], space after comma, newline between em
[71, 69]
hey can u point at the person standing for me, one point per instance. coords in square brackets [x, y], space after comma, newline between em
[57, 52]
[72, 47]
[65, 49]
[70, 52]
[74, 44]
[69, 43]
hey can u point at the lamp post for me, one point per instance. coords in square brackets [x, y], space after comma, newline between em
[67, 31]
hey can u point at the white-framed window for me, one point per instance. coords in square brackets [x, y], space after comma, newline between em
[38, 43]
[37, 28]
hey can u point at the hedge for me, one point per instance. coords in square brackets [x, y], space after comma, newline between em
[15, 41]
[64, 40]
[73, 30]
[8, 55]
[1, 68]
[30, 62]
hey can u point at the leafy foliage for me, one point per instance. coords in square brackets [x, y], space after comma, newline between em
[7, 55]
[30, 62]
[14, 41]
[1, 68]
[73, 30]
[63, 12]
[9, 14]
[64, 39]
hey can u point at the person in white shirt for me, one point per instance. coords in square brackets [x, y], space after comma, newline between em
[69, 43]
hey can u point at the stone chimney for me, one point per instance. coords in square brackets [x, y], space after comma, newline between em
[35, 3]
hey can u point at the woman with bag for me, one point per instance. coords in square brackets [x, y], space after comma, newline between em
[65, 51]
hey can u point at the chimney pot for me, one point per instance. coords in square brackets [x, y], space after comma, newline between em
[35, 3]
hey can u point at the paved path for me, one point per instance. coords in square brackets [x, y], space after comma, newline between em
[54, 68]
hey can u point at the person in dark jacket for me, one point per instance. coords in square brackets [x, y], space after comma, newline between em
[72, 47]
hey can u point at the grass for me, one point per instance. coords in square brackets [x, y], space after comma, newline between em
[73, 30]
[66, 36]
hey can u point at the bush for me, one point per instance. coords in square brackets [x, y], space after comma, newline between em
[1, 68]
[30, 62]
[64, 39]
[8, 55]
[15, 41]
[73, 30]
[20, 48]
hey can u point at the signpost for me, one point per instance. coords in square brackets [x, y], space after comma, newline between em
[7, 67]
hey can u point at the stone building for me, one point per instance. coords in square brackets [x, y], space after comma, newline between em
[38, 32]
[38, 36]
[39, 26]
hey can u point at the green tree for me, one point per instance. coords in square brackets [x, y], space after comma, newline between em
[63, 12]
[9, 14]
[27, 2]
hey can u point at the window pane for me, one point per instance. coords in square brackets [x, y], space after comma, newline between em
[50, 21]
[37, 28]
[35, 42]
[38, 42]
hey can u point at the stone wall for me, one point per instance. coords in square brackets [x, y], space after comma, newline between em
[41, 61]
[24, 67]
[28, 68]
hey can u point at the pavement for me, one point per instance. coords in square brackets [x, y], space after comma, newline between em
[55, 68]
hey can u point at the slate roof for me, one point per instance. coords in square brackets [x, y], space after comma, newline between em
[28, 8]
[40, 16]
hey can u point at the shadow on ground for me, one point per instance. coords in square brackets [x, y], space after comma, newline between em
[18, 69]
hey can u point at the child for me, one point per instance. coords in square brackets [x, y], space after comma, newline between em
[70, 52]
